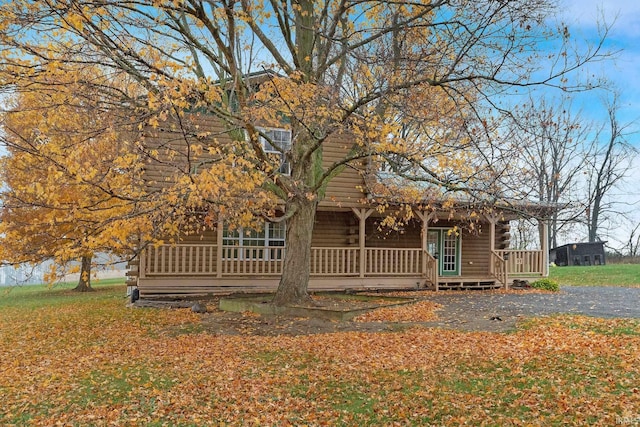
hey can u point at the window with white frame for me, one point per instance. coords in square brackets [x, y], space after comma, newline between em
[278, 142]
[250, 244]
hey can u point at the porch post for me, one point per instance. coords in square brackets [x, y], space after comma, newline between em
[492, 218]
[362, 215]
[425, 231]
[544, 244]
[492, 244]
[500, 275]
[219, 233]
[425, 218]
[142, 267]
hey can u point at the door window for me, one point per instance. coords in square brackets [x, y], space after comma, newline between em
[449, 253]
[444, 245]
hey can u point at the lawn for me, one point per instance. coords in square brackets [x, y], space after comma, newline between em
[601, 275]
[86, 359]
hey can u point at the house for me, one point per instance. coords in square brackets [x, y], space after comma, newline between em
[578, 254]
[349, 249]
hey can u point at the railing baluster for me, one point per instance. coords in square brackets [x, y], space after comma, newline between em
[201, 259]
[523, 262]
[162, 265]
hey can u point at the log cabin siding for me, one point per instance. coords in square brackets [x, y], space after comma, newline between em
[170, 148]
[346, 189]
[331, 228]
[475, 253]
[335, 229]
[171, 154]
[409, 236]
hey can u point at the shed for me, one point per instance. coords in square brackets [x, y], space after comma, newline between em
[578, 254]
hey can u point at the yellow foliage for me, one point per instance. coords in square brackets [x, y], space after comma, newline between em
[67, 157]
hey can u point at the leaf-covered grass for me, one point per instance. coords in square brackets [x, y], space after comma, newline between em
[89, 360]
[597, 275]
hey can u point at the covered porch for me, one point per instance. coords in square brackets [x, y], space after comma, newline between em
[441, 262]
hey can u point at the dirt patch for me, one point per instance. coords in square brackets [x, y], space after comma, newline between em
[496, 311]
[330, 306]
[424, 312]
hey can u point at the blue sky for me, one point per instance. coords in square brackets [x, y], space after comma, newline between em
[624, 72]
[624, 36]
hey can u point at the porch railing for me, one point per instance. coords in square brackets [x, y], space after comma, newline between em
[380, 261]
[190, 259]
[523, 263]
[253, 260]
[498, 268]
[202, 259]
[335, 261]
[431, 269]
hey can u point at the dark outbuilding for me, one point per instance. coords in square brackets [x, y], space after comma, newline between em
[578, 254]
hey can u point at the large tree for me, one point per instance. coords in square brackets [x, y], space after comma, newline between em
[608, 165]
[65, 190]
[370, 68]
[551, 141]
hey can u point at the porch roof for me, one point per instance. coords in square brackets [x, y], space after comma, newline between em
[467, 202]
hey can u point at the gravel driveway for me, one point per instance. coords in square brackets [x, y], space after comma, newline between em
[499, 312]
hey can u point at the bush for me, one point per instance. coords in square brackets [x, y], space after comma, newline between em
[546, 284]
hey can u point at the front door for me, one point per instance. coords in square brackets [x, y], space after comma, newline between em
[444, 245]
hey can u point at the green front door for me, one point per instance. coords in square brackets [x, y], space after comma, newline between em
[444, 245]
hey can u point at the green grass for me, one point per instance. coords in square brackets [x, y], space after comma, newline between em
[601, 275]
[58, 293]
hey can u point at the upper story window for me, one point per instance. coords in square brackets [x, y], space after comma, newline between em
[278, 142]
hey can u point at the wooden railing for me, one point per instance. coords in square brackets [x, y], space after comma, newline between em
[523, 263]
[431, 269]
[201, 259]
[180, 259]
[382, 261]
[498, 268]
[252, 260]
[335, 261]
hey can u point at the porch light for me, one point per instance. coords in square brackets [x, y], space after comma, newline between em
[435, 255]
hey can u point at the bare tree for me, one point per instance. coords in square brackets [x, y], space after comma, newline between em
[607, 165]
[633, 242]
[551, 142]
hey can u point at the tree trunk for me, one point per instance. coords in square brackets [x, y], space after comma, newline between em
[541, 234]
[297, 260]
[594, 219]
[84, 283]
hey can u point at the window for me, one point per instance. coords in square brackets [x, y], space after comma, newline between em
[278, 142]
[249, 244]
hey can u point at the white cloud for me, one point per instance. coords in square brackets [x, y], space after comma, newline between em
[623, 15]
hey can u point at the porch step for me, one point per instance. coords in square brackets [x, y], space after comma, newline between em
[462, 285]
